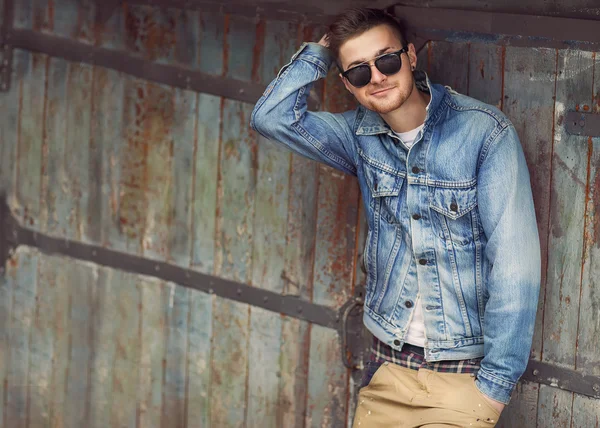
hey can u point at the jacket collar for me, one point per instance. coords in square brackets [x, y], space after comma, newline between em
[372, 123]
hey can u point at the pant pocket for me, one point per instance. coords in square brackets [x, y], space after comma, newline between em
[371, 367]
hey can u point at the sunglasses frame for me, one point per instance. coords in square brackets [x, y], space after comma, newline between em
[367, 64]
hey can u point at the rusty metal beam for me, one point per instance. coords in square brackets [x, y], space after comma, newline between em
[175, 76]
[501, 28]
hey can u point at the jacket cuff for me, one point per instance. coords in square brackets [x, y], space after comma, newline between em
[315, 54]
[494, 387]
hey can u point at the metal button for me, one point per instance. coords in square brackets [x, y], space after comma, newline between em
[416, 217]
[408, 304]
[423, 262]
[453, 207]
[397, 342]
[416, 170]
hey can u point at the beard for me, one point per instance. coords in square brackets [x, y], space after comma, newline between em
[392, 101]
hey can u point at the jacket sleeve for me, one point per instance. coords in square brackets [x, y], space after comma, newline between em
[513, 252]
[281, 113]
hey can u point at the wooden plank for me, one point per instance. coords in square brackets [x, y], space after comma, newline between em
[103, 314]
[42, 344]
[29, 149]
[9, 120]
[269, 240]
[529, 77]
[486, 73]
[60, 361]
[204, 209]
[565, 244]
[236, 190]
[81, 278]
[155, 297]
[23, 312]
[298, 275]
[174, 389]
[333, 271]
[449, 65]
[586, 411]
[126, 364]
[7, 286]
[77, 174]
[199, 358]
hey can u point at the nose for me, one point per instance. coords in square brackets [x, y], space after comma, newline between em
[376, 75]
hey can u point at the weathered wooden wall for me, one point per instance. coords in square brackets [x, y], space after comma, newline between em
[98, 156]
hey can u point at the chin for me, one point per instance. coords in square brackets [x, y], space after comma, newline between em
[385, 106]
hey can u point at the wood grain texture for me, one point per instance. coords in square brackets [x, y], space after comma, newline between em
[486, 73]
[449, 65]
[18, 383]
[126, 363]
[586, 411]
[236, 192]
[565, 244]
[104, 312]
[155, 298]
[529, 77]
[333, 273]
[275, 43]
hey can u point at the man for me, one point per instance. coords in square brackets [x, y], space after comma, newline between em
[452, 252]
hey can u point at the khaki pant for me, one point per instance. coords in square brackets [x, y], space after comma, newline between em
[400, 397]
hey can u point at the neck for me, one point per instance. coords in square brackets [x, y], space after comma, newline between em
[411, 114]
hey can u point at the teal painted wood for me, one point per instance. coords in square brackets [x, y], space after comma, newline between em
[298, 275]
[565, 244]
[56, 206]
[155, 298]
[529, 104]
[81, 279]
[449, 65]
[9, 121]
[181, 192]
[174, 390]
[60, 366]
[42, 345]
[236, 192]
[30, 139]
[485, 73]
[586, 411]
[333, 273]
[77, 174]
[199, 360]
[18, 382]
[7, 285]
[103, 314]
[127, 352]
[269, 240]
[203, 232]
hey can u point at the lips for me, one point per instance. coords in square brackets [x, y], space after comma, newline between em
[382, 91]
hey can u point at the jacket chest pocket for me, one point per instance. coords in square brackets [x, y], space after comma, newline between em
[453, 214]
[385, 189]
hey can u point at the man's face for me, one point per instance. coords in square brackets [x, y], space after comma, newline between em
[382, 94]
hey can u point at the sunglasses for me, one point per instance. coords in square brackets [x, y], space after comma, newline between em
[388, 64]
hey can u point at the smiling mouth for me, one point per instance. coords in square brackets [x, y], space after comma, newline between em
[381, 91]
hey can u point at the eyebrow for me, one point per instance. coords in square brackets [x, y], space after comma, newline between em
[360, 61]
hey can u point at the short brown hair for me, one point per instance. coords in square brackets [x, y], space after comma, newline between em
[355, 21]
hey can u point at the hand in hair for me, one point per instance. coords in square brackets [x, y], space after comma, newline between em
[324, 40]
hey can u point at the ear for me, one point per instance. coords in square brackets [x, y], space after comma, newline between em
[412, 55]
[346, 84]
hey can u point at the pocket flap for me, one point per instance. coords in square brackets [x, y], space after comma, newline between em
[453, 203]
[382, 183]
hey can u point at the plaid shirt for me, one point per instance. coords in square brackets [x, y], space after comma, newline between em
[412, 357]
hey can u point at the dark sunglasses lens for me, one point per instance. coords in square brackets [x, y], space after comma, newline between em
[359, 76]
[389, 64]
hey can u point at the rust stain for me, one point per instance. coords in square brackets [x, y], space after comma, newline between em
[259, 43]
[482, 69]
[586, 107]
[577, 107]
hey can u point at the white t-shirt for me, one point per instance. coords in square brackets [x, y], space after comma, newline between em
[416, 328]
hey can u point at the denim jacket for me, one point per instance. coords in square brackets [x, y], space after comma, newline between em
[451, 218]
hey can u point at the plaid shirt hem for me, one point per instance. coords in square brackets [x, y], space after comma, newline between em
[411, 357]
